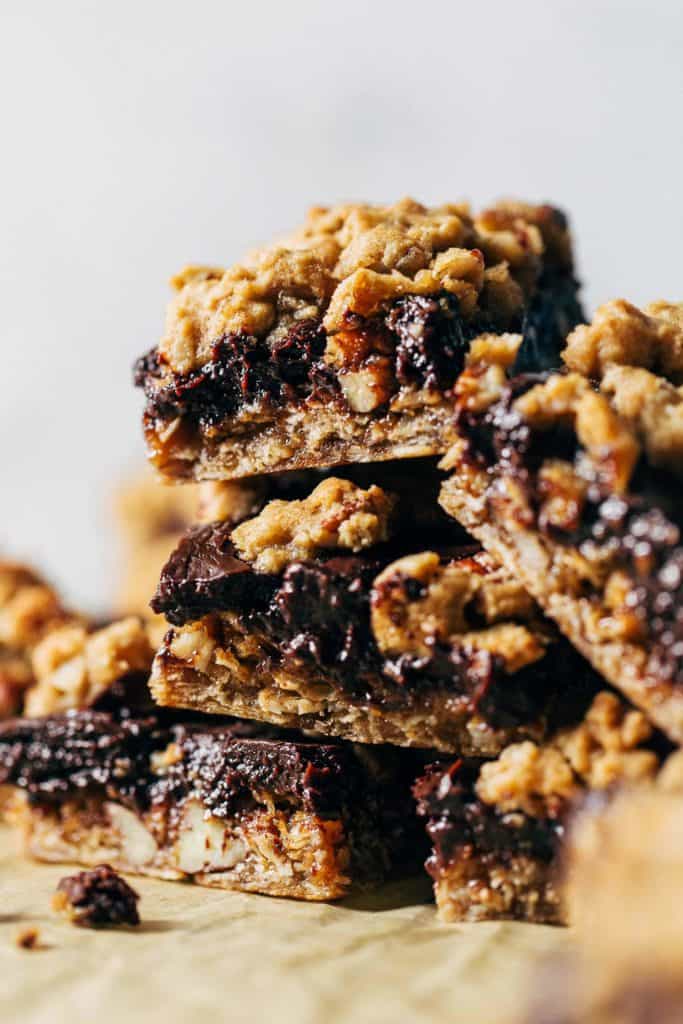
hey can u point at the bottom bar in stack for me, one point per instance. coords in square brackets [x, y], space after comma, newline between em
[205, 803]
[497, 827]
[221, 803]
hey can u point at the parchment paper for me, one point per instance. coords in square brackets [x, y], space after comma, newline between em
[205, 955]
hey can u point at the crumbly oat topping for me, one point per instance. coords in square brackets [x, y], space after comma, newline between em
[620, 334]
[419, 600]
[28, 608]
[337, 514]
[73, 667]
[603, 749]
[356, 258]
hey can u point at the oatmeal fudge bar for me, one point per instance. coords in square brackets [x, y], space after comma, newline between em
[341, 344]
[29, 609]
[326, 614]
[624, 856]
[217, 804]
[574, 481]
[497, 826]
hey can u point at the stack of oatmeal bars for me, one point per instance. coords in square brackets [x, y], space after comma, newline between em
[432, 593]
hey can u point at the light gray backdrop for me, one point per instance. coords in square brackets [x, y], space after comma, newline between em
[139, 136]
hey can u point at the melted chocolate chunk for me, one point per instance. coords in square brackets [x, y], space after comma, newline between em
[432, 341]
[427, 336]
[223, 771]
[553, 312]
[98, 899]
[456, 818]
[53, 757]
[204, 573]
[242, 370]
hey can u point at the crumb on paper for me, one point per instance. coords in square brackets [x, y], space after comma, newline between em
[28, 938]
[99, 898]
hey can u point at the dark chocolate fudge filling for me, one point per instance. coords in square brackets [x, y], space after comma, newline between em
[80, 752]
[641, 532]
[457, 818]
[426, 338]
[318, 614]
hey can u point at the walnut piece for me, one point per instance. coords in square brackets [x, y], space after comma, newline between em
[337, 514]
[419, 600]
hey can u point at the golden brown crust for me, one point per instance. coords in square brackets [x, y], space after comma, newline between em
[337, 514]
[355, 258]
[239, 675]
[498, 888]
[295, 854]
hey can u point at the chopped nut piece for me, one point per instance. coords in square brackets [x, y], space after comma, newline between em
[337, 514]
[97, 899]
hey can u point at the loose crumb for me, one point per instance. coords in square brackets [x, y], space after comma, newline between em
[96, 899]
[28, 938]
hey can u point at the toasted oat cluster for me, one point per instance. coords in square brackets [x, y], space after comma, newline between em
[341, 344]
[573, 481]
[29, 609]
[74, 667]
[336, 515]
[354, 260]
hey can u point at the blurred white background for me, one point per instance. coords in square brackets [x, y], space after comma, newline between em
[139, 136]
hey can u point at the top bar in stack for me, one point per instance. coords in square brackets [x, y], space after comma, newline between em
[573, 481]
[342, 343]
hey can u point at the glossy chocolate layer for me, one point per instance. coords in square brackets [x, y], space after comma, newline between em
[60, 756]
[426, 337]
[456, 818]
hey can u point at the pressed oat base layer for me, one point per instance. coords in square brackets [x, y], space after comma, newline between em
[589, 520]
[313, 615]
[297, 855]
[497, 827]
[342, 343]
[227, 805]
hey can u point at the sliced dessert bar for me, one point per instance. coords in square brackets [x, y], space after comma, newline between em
[104, 775]
[497, 827]
[215, 804]
[327, 614]
[342, 343]
[574, 482]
